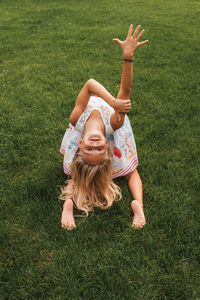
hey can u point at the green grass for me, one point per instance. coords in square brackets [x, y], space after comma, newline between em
[48, 49]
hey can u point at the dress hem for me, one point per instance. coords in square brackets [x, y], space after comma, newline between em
[131, 167]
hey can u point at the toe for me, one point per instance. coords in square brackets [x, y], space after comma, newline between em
[138, 225]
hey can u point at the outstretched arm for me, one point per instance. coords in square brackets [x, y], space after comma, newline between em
[94, 87]
[129, 46]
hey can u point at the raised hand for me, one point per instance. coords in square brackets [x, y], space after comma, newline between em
[131, 42]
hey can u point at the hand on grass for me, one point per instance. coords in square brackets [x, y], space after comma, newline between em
[131, 42]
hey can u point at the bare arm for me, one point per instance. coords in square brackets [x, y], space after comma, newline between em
[94, 87]
[129, 47]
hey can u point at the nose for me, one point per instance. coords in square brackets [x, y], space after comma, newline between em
[98, 144]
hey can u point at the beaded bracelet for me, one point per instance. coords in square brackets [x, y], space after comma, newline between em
[128, 59]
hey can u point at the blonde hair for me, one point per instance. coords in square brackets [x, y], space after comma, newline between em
[91, 185]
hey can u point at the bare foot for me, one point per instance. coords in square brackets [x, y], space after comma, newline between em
[139, 219]
[67, 219]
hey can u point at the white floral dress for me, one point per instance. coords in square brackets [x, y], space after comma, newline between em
[121, 141]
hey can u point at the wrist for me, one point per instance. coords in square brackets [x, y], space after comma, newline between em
[128, 59]
[112, 102]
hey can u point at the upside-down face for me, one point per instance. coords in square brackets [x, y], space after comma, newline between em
[93, 147]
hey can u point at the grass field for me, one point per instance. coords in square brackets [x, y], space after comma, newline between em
[48, 49]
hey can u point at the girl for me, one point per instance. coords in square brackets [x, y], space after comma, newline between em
[99, 145]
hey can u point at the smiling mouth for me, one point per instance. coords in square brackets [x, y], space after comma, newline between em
[94, 139]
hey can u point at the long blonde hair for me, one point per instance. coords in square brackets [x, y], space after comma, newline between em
[91, 185]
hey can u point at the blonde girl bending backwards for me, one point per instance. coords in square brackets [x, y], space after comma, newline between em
[99, 145]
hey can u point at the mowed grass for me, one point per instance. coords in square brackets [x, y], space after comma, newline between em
[48, 49]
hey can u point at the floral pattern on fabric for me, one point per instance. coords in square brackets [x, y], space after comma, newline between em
[121, 142]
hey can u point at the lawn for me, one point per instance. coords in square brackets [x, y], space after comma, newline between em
[48, 49]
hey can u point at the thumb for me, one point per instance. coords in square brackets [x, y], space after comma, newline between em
[117, 41]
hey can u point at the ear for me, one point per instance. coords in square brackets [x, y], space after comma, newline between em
[80, 143]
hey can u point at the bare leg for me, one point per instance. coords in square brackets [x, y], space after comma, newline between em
[135, 187]
[67, 219]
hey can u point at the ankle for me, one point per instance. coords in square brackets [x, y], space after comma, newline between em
[137, 201]
[68, 204]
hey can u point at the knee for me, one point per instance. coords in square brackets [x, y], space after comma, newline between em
[134, 176]
[135, 172]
